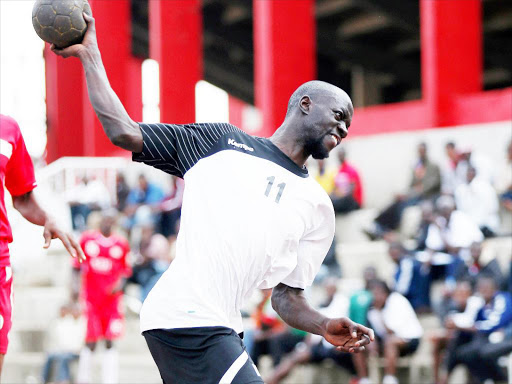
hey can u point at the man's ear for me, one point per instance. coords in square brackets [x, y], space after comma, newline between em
[305, 104]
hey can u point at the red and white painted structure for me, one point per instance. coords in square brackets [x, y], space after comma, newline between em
[284, 57]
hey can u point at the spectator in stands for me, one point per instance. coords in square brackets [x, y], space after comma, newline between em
[170, 208]
[468, 157]
[412, 278]
[361, 300]
[122, 191]
[396, 326]
[88, 196]
[480, 354]
[449, 177]
[271, 335]
[451, 230]
[475, 267]
[460, 306]
[348, 190]
[427, 218]
[325, 176]
[504, 182]
[64, 341]
[151, 262]
[315, 349]
[144, 194]
[478, 199]
[425, 184]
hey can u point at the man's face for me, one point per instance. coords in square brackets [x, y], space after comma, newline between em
[486, 289]
[395, 253]
[475, 250]
[422, 151]
[329, 117]
[379, 297]
[461, 295]
[470, 174]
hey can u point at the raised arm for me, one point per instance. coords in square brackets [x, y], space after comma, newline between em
[119, 127]
[291, 304]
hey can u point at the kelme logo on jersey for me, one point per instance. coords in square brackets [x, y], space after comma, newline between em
[240, 145]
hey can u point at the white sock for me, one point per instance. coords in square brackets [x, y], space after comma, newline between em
[110, 366]
[83, 375]
[389, 379]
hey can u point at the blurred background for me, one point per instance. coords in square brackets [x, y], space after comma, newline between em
[431, 137]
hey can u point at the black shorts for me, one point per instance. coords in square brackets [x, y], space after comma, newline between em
[201, 355]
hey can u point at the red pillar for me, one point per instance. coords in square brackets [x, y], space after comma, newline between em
[175, 29]
[64, 100]
[451, 53]
[113, 28]
[284, 55]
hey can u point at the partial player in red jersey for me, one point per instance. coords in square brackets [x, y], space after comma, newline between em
[17, 174]
[103, 279]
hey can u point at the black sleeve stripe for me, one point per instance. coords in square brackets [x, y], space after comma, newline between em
[176, 148]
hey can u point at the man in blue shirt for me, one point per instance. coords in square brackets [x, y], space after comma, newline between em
[481, 355]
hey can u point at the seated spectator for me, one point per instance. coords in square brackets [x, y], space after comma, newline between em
[412, 278]
[474, 267]
[451, 230]
[425, 184]
[144, 194]
[468, 157]
[122, 192]
[88, 196]
[449, 179]
[170, 208]
[504, 181]
[461, 310]
[348, 190]
[361, 300]
[427, 218]
[64, 342]
[270, 336]
[325, 176]
[397, 328]
[315, 349]
[478, 199]
[151, 262]
[480, 354]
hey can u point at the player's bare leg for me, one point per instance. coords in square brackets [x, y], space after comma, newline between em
[392, 346]
[1, 364]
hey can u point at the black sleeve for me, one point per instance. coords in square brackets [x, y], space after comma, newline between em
[176, 148]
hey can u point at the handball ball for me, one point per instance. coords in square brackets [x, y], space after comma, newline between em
[60, 22]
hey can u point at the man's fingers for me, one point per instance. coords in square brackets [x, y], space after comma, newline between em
[89, 20]
[66, 242]
[365, 340]
[365, 331]
[78, 249]
[351, 349]
[47, 238]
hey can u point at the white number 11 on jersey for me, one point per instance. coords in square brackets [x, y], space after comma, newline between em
[281, 186]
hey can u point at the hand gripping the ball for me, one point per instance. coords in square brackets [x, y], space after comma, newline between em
[348, 336]
[89, 44]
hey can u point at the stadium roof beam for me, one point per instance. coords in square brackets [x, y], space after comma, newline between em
[405, 12]
[405, 70]
[332, 7]
[362, 24]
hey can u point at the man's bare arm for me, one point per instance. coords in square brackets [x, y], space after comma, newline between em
[119, 127]
[291, 304]
[30, 209]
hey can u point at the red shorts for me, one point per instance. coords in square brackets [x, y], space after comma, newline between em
[5, 306]
[104, 320]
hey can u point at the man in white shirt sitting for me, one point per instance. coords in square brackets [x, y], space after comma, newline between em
[396, 325]
[479, 200]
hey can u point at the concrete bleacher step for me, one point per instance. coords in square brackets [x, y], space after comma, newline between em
[133, 368]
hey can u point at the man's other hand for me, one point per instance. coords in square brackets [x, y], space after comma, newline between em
[348, 336]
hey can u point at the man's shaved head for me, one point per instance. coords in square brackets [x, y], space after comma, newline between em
[312, 89]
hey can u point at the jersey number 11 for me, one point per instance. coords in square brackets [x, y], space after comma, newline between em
[281, 186]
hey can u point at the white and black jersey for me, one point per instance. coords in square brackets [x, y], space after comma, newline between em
[251, 218]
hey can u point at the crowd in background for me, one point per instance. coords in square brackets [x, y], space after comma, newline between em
[460, 208]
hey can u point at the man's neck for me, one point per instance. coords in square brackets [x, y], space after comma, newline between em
[287, 142]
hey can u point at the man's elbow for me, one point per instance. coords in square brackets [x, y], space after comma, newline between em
[130, 142]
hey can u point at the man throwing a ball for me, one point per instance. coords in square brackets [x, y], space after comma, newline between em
[267, 224]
